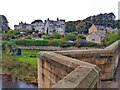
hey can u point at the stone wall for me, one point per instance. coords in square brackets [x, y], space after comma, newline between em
[106, 59]
[52, 48]
[51, 70]
[77, 68]
[58, 71]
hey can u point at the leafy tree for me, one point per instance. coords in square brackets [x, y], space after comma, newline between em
[70, 36]
[80, 36]
[116, 24]
[39, 35]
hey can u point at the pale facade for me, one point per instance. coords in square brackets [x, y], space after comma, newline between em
[38, 26]
[23, 26]
[48, 27]
[52, 26]
[98, 28]
[95, 37]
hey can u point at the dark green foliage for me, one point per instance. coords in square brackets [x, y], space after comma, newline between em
[66, 44]
[38, 21]
[80, 36]
[91, 44]
[70, 36]
[71, 26]
[30, 42]
[116, 24]
[56, 35]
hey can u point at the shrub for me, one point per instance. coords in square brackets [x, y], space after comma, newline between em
[80, 36]
[39, 35]
[54, 42]
[70, 36]
[44, 36]
[78, 43]
[56, 35]
[64, 43]
[91, 44]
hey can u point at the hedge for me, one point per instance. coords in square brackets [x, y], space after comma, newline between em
[30, 42]
[54, 42]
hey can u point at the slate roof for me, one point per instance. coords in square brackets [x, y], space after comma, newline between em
[100, 27]
[101, 34]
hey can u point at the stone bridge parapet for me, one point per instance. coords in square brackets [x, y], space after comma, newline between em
[77, 68]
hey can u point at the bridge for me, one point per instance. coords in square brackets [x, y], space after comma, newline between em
[78, 68]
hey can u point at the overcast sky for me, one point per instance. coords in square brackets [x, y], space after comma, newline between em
[70, 10]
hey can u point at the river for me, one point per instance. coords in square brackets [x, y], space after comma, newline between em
[9, 82]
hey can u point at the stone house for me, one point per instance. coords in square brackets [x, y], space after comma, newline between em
[97, 33]
[52, 26]
[23, 26]
[96, 37]
[38, 25]
[3, 23]
[47, 27]
[98, 28]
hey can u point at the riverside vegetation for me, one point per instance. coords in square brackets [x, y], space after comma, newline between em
[22, 68]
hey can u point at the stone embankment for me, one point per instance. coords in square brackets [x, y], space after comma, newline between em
[53, 48]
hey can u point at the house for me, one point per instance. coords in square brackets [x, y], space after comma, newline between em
[38, 25]
[52, 26]
[3, 23]
[23, 26]
[98, 28]
[47, 27]
[96, 37]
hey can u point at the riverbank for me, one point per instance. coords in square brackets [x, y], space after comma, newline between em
[10, 82]
[19, 70]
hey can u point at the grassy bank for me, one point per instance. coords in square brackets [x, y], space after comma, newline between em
[29, 56]
[20, 70]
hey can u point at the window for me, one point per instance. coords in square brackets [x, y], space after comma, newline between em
[93, 39]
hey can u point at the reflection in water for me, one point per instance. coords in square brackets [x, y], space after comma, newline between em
[8, 82]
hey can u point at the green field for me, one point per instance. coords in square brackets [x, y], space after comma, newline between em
[29, 56]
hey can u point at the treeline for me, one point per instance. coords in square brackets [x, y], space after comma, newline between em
[82, 26]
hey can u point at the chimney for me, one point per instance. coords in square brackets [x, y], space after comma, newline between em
[57, 19]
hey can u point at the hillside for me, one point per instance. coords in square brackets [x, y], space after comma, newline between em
[81, 26]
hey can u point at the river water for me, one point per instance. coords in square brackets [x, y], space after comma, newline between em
[9, 82]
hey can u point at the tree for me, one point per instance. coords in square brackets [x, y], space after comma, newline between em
[39, 35]
[70, 36]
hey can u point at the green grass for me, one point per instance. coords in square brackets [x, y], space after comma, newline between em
[25, 57]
